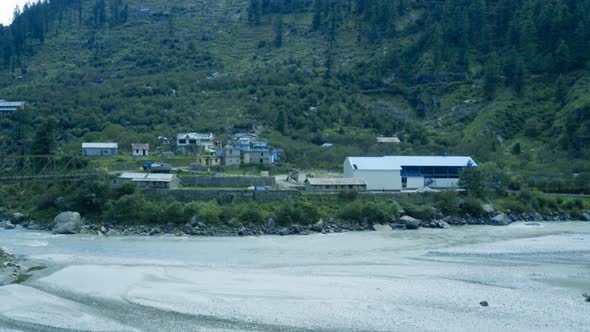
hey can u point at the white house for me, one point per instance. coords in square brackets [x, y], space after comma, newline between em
[100, 149]
[195, 139]
[195, 143]
[140, 150]
[396, 173]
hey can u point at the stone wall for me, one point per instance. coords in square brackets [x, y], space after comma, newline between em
[226, 181]
[226, 196]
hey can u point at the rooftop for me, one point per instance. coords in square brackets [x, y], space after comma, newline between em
[100, 146]
[397, 162]
[140, 146]
[388, 140]
[147, 177]
[336, 182]
[195, 136]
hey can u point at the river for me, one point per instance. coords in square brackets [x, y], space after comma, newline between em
[532, 275]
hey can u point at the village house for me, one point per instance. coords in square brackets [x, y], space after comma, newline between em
[149, 180]
[258, 153]
[100, 149]
[331, 185]
[231, 156]
[140, 150]
[209, 160]
[10, 107]
[195, 143]
[397, 173]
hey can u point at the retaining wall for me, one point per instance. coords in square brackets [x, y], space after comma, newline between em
[226, 196]
[226, 181]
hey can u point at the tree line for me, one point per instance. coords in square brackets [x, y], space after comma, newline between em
[30, 26]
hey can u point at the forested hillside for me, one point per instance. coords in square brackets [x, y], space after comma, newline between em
[503, 80]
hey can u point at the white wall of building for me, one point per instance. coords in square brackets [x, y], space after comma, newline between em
[444, 183]
[415, 182]
[377, 180]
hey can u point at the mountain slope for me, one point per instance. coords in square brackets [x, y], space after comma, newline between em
[501, 80]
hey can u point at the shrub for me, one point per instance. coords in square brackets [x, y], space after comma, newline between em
[297, 213]
[251, 214]
[471, 206]
[211, 213]
[348, 195]
[420, 212]
[448, 202]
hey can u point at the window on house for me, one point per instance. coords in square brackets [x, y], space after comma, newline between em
[355, 166]
[181, 141]
[192, 141]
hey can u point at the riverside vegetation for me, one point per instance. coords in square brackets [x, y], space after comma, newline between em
[128, 210]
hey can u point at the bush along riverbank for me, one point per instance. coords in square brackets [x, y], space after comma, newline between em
[136, 214]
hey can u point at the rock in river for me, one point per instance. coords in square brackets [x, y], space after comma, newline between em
[501, 220]
[67, 223]
[411, 223]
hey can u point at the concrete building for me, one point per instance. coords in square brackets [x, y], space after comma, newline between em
[100, 149]
[195, 143]
[209, 160]
[231, 156]
[149, 180]
[140, 150]
[397, 173]
[326, 185]
[10, 107]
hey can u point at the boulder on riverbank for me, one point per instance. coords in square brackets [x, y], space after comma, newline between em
[586, 216]
[381, 228]
[67, 223]
[410, 222]
[500, 220]
[6, 224]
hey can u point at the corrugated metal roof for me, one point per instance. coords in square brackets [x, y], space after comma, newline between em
[388, 140]
[132, 175]
[5, 103]
[195, 136]
[336, 181]
[100, 145]
[147, 177]
[397, 162]
[140, 146]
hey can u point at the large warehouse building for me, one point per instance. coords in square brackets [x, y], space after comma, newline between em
[397, 173]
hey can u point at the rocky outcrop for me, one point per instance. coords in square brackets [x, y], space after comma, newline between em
[7, 224]
[500, 220]
[318, 226]
[67, 223]
[410, 222]
[436, 224]
[382, 228]
[586, 216]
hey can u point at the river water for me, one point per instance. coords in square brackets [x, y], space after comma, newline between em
[532, 275]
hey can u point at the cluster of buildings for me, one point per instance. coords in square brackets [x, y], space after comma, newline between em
[244, 148]
[395, 173]
[208, 151]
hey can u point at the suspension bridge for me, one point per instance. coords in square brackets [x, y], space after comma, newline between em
[14, 168]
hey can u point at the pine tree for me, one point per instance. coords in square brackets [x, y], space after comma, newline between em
[254, 12]
[278, 42]
[490, 80]
[562, 57]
